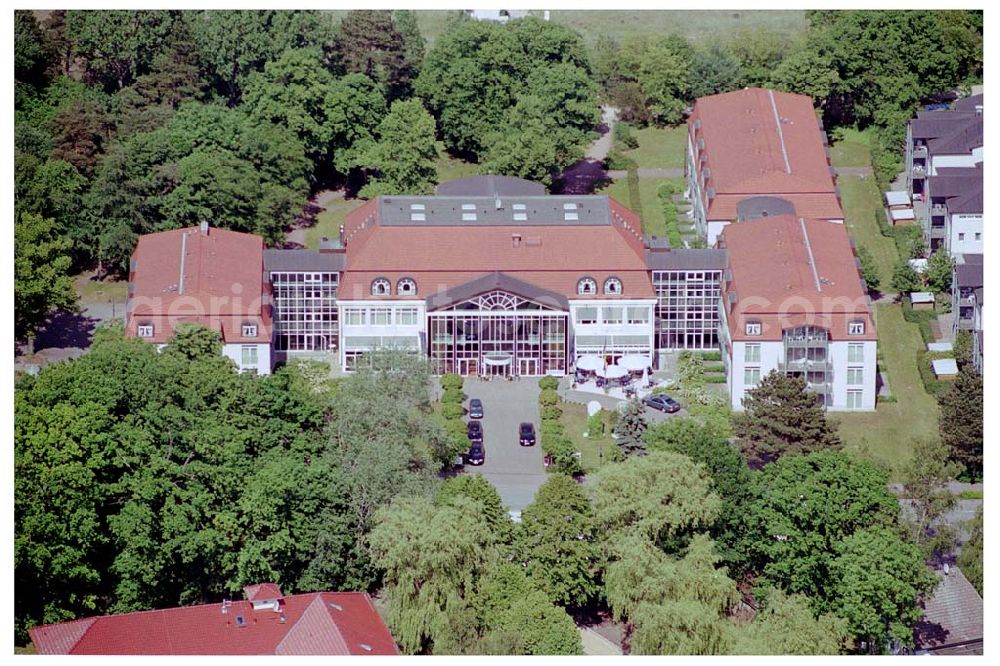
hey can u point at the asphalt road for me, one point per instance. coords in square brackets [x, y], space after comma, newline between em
[516, 471]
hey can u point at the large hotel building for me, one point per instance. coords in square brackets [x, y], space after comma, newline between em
[492, 276]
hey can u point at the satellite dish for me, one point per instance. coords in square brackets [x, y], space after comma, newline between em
[593, 407]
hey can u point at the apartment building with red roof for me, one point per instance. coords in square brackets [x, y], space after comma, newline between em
[794, 301]
[757, 152]
[263, 623]
[199, 275]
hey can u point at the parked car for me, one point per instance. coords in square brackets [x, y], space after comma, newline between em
[527, 434]
[662, 402]
[474, 430]
[475, 408]
[476, 454]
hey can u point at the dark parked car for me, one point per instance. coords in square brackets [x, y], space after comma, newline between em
[664, 403]
[477, 454]
[527, 431]
[475, 408]
[475, 431]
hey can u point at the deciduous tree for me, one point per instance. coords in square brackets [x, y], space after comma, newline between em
[787, 625]
[41, 273]
[925, 487]
[401, 160]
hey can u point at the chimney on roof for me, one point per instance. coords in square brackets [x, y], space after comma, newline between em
[204, 228]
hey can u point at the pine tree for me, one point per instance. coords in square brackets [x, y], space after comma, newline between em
[781, 417]
[961, 422]
[630, 429]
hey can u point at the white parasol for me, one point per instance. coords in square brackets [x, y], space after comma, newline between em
[634, 362]
[612, 372]
[589, 362]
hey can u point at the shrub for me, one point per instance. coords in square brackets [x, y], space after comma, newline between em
[711, 356]
[453, 396]
[634, 195]
[665, 192]
[714, 367]
[550, 428]
[451, 410]
[617, 161]
[624, 137]
[548, 397]
[551, 413]
[595, 425]
[922, 318]
[560, 452]
[715, 379]
[932, 384]
[548, 382]
[451, 380]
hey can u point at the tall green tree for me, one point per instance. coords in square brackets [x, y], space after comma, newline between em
[779, 418]
[713, 70]
[878, 582]
[970, 559]
[661, 68]
[961, 422]
[758, 51]
[803, 508]
[32, 52]
[477, 488]
[663, 496]
[383, 45]
[401, 160]
[557, 543]
[939, 269]
[630, 429]
[806, 72]
[118, 45]
[41, 273]
[787, 625]
[904, 278]
[925, 486]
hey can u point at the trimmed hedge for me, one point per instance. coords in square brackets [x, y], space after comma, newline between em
[548, 397]
[922, 318]
[551, 413]
[451, 380]
[715, 367]
[634, 194]
[451, 410]
[711, 356]
[453, 396]
[623, 136]
[715, 379]
[665, 192]
[548, 382]
[932, 384]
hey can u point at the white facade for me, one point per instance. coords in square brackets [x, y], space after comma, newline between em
[965, 234]
[612, 327]
[853, 370]
[252, 356]
[368, 325]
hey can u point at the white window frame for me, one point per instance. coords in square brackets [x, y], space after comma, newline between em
[249, 330]
[631, 309]
[589, 320]
[244, 351]
[751, 376]
[145, 330]
[407, 316]
[856, 327]
[589, 282]
[354, 313]
[381, 282]
[613, 286]
[384, 314]
[856, 376]
[751, 352]
[855, 398]
[406, 287]
[753, 328]
[609, 318]
[856, 352]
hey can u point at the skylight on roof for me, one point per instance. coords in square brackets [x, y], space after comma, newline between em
[468, 217]
[520, 207]
[418, 217]
[416, 206]
[520, 217]
[571, 216]
[569, 206]
[468, 206]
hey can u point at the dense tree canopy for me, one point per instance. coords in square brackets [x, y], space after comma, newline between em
[401, 159]
[386, 46]
[41, 280]
[961, 422]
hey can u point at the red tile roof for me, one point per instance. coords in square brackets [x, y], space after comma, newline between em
[811, 206]
[771, 262]
[222, 284]
[336, 623]
[262, 591]
[746, 146]
[554, 257]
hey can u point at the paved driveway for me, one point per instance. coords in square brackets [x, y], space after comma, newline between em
[516, 471]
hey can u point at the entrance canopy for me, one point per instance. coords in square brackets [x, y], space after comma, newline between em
[497, 359]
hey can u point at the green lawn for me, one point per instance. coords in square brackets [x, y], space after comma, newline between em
[593, 452]
[852, 150]
[328, 222]
[653, 222]
[861, 198]
[452, 168]
[89, 290]
[889, 431]
[660, 147]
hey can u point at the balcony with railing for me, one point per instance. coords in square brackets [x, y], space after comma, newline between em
[806, 365]
[939, 209]
[918, 170]
[919, 152]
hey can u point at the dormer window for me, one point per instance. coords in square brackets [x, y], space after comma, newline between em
[586, 287]
[856, 328]
[381, 287]
[249, 330]
[145, 330]
[406, 287]
[753, 328]
[613, 286]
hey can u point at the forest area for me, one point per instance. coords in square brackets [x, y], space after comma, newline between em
[148, 479]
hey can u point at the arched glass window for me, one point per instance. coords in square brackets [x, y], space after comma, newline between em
[586, 287]
[406, 287]
[381, 287]
[612, 286]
